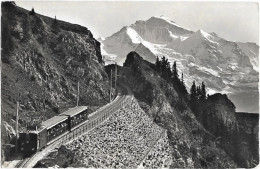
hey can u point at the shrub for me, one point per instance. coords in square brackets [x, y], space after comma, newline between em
[32, 12]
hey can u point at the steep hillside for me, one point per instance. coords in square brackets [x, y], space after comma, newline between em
[225, 66]
[42, 61]
[237, 132]
[248, 138]
[193, 145]
[122, 141]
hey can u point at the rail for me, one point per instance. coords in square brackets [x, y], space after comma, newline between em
[152, 146]
[95, 119]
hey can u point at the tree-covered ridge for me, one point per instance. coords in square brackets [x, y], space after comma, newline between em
[171, 75]
[216, 113]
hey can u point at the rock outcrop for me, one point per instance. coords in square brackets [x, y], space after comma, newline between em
[43, 59]
[192, 144]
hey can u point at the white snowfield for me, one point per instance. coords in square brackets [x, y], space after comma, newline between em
[225, 66]
[133, 35]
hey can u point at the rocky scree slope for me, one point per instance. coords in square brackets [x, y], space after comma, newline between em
[193, 145]
[42, 61]
[225, 66]
[122, 141]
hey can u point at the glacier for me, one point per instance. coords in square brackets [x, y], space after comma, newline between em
[224, 66]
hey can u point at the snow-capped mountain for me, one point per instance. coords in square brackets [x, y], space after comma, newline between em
[225, 66]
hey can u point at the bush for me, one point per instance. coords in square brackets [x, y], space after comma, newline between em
[32, 12]
[56, 110]
[32, 78]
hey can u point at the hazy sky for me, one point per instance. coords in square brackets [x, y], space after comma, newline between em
[236, 21]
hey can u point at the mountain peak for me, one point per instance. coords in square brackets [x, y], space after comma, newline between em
[213, 34]
[100, 39]
[161, 19]
[132, 58]
[165, 19]
[225, 66]
[202, 34]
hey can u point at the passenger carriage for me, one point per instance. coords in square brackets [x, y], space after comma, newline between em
[55, 126]
[76, 116]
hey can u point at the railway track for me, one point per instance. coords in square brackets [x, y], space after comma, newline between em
[22, 163]
[97, 118]
[151, 147]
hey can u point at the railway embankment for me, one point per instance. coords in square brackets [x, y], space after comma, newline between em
[124, 140]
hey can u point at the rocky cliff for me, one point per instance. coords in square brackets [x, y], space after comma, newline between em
[211, 124]
[193, 145]
[248, 138]
[237, 133]
[43, 59]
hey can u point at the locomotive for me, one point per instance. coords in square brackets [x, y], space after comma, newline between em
[52, 129]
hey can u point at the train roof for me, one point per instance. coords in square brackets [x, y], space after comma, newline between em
[73, 111]
[52, 121]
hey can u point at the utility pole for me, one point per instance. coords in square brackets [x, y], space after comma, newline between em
[78, 96]
[115, 75]
[110, 96]
[16, 127]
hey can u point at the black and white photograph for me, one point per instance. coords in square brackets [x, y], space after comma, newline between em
[129, 84]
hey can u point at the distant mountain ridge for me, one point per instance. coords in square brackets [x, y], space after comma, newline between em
[225, 66]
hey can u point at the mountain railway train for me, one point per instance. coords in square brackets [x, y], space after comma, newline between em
[54, 128]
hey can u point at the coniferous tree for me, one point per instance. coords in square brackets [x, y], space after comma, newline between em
[193, 91]
[168, 70]
[55, 20]
[165, 68]
[175, 71]
[164, 63]
[55, 26]
[178, 83]
[198, 92]
[203, 91]
[32, 12]
[158, 64]
[182, 81]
